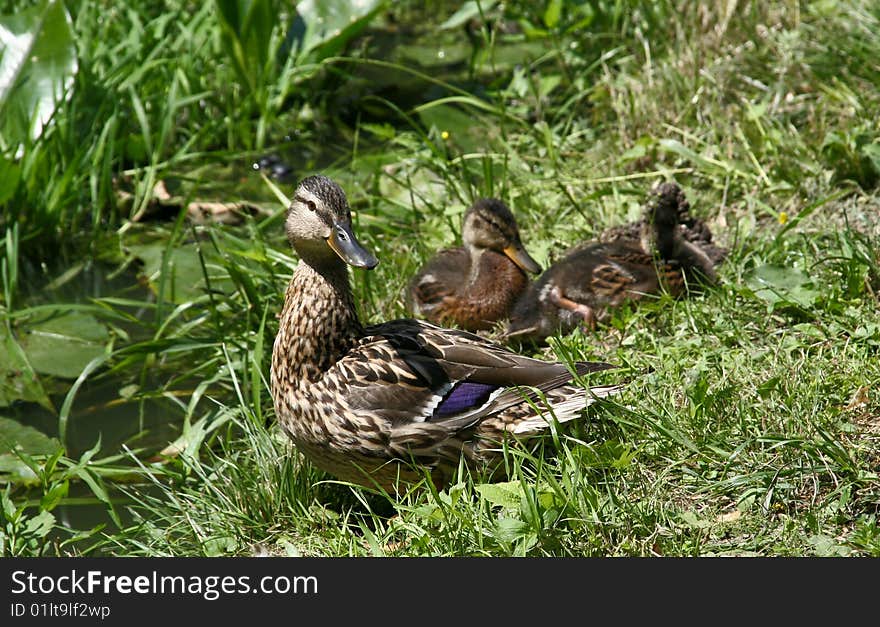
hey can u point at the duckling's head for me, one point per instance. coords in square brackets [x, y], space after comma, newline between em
[660, 228]
[318, 225]
[489, 224]
[667, 205]
[667, 208]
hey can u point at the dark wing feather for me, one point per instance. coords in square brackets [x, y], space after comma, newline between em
[414, 365]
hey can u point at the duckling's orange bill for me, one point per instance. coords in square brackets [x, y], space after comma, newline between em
[345, 244]
[522, 258]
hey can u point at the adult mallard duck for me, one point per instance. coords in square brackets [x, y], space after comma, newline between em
[403, 398]
[475, 285]
[594, 277]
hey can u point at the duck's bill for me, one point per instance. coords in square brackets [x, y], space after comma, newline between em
[344, 244]
[522, 258]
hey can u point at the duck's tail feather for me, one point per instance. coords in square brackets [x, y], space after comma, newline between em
[567, 409]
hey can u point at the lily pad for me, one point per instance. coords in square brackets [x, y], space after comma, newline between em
[185, 280]
[16, 436]
[464, 130]
[63, 345]
[18, 381]
[783, 286]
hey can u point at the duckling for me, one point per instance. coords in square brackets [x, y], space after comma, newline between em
[393, 403]
[693, 229]
[593, 277]
[475, 285]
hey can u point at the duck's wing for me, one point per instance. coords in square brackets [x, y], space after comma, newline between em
[606, 274]
[412, 372]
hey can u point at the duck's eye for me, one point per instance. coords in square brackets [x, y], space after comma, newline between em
[307, 202]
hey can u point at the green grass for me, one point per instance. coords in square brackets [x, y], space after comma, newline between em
[751, 424]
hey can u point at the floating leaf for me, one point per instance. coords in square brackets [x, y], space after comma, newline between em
[18, 381]
[185, 279]
[464, 129]
[63, 345]
[15, 436]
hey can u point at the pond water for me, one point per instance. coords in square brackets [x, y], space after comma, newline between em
[98, 409]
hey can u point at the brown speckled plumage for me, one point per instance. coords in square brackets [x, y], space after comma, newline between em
[596, 276]
[475, 285]
[374, 405]
[690, 228]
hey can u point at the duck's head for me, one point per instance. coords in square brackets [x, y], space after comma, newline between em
[490, 224]
[318, 225]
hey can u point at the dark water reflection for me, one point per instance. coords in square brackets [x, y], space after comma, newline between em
[99, 410]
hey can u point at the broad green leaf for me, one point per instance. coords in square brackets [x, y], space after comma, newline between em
[330, 24]
[826, 546]
[430, 55]
[40, 525]
[10, 511]
[691, 519]
[780, 285]
[506, 494]
[10, 174]
[871, 152]
[185, 280]
[462, 129]
[37, 67]
[705, 163]
[18, 381]
[63, 345]
[16, 436]
[511, 529]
